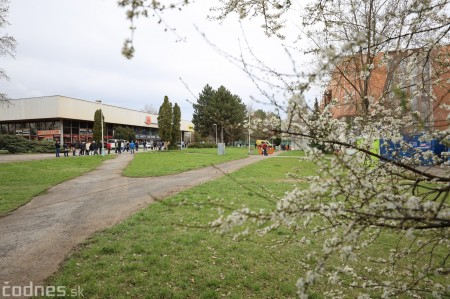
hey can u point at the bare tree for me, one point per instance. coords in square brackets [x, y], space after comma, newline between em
[385, 64]
[149, 109]
[385, 67]
[7, 45]
[146, 9]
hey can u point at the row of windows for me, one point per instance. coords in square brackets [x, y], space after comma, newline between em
[81, 130]
[10, 128]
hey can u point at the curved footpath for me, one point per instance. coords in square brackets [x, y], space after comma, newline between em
[35, 238]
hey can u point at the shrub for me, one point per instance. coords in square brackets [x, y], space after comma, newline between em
[17, 144]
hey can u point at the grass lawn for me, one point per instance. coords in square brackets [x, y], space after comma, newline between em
[23, 180]
[158, 254]
[165, 250]
[159, 163]
[292, 153]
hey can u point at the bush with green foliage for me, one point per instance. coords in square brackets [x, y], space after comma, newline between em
[17, 144]
[124, 133]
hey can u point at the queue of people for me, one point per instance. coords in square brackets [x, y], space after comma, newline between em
[78, 148]
[91, 148]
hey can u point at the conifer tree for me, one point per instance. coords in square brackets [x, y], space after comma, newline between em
[97, 130]
[176, 126]
[165, 121]
[222, 109]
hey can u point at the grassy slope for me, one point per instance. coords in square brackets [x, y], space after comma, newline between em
[20, 181]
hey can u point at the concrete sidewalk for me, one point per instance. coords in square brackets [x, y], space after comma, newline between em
[7, 158]
[35, 238]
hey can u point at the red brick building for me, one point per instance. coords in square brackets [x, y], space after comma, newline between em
[414, 80]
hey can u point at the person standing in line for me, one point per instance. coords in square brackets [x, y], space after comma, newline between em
[74, 148]
[108, 146]
[82, 148]
[91, 148]
[119, 146]
[66, 149]
[88, 148]
[94, 148]
[132, 146]
[57, 148]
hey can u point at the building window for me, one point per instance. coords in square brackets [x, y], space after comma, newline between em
[3, 128]
[67, 129]
[75, 130]
[11, 129]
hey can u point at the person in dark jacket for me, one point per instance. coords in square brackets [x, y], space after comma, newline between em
[57, 148]
[66, 149]
[82, 148]
[92, 148]
[119, 146]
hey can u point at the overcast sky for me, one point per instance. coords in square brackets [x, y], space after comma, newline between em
[73, 48]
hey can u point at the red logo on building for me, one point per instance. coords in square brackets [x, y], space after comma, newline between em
[148, 120]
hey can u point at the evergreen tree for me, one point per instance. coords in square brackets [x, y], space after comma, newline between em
[97, 130]
[176, 126]
[124, 133]
[202, 118]
[222, 109]
[165, 121]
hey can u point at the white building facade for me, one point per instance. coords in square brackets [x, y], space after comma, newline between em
[72, 120]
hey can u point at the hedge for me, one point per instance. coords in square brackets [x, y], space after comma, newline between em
[17, 144]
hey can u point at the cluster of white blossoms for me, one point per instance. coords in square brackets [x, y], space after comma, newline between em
[358, 199]
[384, 58]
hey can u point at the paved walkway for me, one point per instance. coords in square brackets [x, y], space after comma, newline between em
[24, 157]
[35, 238]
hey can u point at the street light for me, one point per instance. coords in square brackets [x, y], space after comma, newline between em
[181, 140]
[249, 148]
[216, 131]
[101, 122]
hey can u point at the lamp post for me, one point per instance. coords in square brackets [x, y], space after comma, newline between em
[249, 148]
[216, 132]
[101, 122]
[181, 140]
